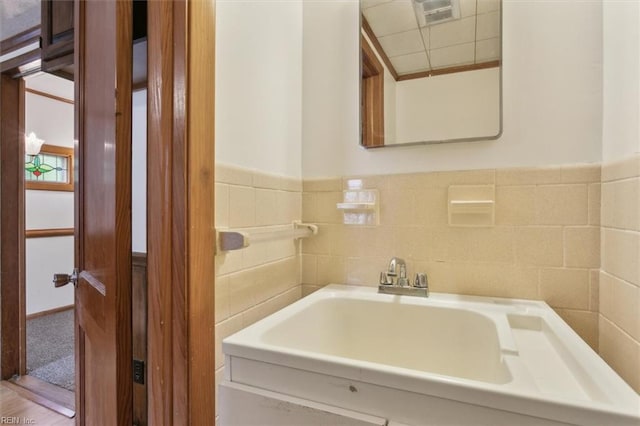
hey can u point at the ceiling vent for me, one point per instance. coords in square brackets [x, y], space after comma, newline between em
[431, 12]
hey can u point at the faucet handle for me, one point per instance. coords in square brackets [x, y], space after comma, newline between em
[421, 281]
[384, 280]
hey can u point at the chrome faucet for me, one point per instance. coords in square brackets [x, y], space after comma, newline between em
[398, 269]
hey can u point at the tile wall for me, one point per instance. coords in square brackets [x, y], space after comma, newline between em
[545, 243]
[256, 281]
[620, 274]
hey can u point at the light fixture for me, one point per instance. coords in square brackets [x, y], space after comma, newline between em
[32, 144]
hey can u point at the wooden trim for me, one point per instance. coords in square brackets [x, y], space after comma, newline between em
[48, 233]
[12, 278]
[376, 45]
[26, 64]
[55, 186]
[48, 95]
[372, 104]
[201, 236]
[450, 70]
[22, 39]
[50, 312]
[53, 397]
[180, 218]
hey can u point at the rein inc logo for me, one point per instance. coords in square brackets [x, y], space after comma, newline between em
[15, 420]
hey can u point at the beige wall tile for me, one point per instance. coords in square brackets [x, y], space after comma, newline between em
[290, 207]
[227, 262]
[582, 247]
[307, 289]
[515, 205]
[223, 330]
[562, 205]
[309, 207]
[594, 290]
[539, 245]
[365, 270]
[483, 279]
[365, 182]
[318, 185]
[627, 168]
[222, 205]
[584, 323]
[326, 207]
[565, 288]
[222, 298]
[431, 206]
[463, 177]
[242, 206]
[270, 306]
[620, 351]
[528, 176]
[621, 204]
[309, 269]
[480, 244]
[267, 207]
[594, 203]
[620, 303]
[331, 270]
[233, 175]
[620, 254]
[583, 173]
[319, 243]
[242, 287]
[397, 207]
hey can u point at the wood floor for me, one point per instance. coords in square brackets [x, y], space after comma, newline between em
[13, 405]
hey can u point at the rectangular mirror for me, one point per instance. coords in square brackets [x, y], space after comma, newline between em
[430, 71]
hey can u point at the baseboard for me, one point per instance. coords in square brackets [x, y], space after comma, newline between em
[49, 311]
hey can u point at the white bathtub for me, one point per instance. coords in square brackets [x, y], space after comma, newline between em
[445, 360]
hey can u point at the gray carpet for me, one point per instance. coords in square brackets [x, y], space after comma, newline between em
[50, 349]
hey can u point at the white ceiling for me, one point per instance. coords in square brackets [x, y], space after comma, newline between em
[473, 38]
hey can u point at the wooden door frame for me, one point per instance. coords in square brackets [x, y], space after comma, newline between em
[12, 233]
[180, 219]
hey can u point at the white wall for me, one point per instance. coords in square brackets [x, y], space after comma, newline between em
[259, 85]
[552, 99]
[139, 172]
[52, 121]
[449, 106]
[621, 80]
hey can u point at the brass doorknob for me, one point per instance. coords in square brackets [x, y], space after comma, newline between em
[60, 280]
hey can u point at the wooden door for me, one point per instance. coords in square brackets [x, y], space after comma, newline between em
[56, 34]
[103, 59]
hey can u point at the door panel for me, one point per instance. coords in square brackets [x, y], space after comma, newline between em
[103, 58]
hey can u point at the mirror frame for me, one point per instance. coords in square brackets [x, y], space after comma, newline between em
[362, 92]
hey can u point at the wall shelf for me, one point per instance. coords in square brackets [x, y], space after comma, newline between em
[356, 206]
[236, 239]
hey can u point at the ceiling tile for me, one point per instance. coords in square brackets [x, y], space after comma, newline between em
[460, 54]
[467, 8]
[391, 18]
[365, 4]
[407, 64]
[488, 50]
[452, 32]
[485, 6]
[402, 43]
[488, 26]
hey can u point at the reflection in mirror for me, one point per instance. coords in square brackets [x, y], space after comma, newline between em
[431, 71]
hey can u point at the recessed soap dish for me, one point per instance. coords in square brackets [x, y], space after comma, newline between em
[471, 205]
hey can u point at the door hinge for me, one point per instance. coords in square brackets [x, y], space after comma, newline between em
[138, 371]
